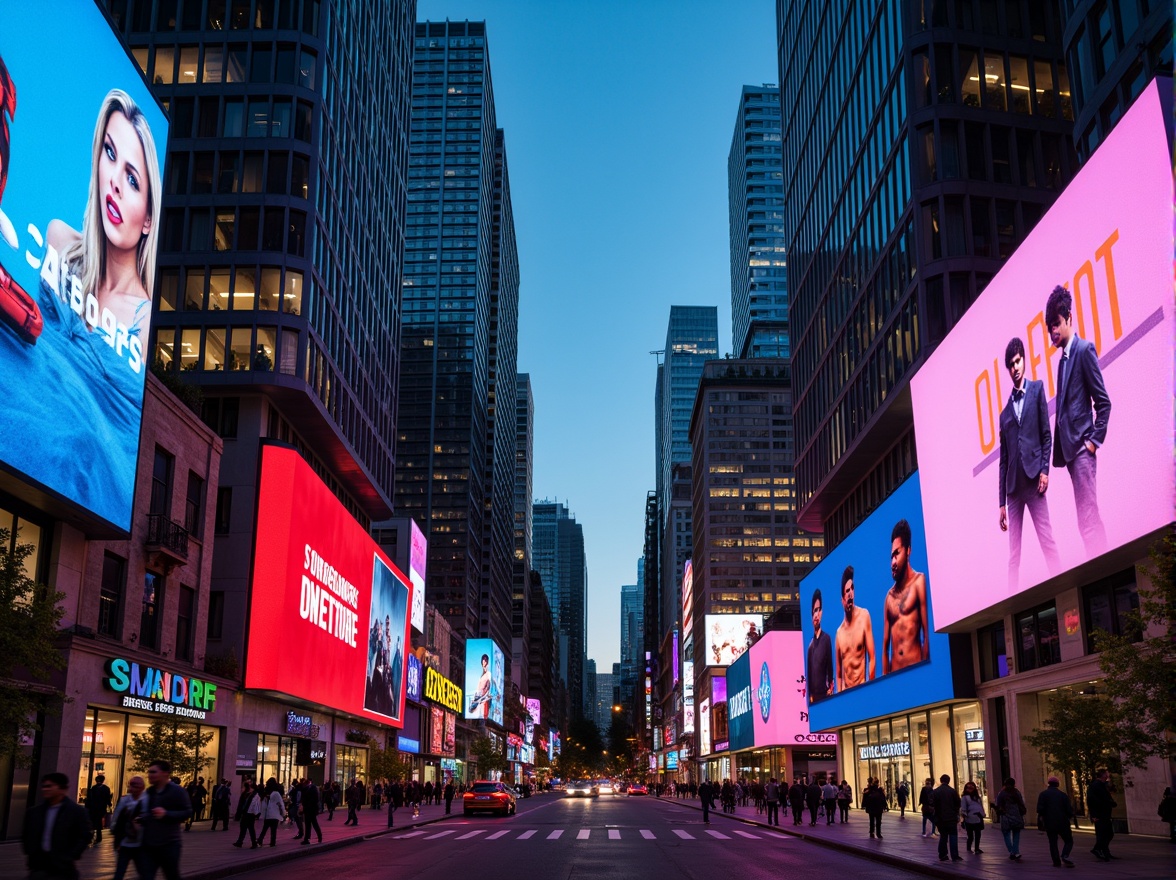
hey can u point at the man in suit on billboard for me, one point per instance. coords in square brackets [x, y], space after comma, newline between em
[1083, 410]
[1024, 463]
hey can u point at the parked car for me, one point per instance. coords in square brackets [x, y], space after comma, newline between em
[637, 788]
[582, 788]
[486, 795]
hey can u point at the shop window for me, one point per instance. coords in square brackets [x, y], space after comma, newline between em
[161, 481]
[152, 611]
[110, 596]
[1037, 634]
[1110, 605]
[994, 659]
[185, 617]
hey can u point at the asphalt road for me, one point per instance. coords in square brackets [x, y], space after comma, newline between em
[559, 838]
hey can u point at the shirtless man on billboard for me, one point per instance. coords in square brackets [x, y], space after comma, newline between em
[855, 639]
[904, 627]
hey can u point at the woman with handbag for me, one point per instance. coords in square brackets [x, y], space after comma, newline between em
[972, 815]
[1010, 806]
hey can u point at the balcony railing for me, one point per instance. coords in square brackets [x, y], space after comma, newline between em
[167, 537]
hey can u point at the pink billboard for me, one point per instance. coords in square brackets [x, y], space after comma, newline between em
[1021, 483]
[779, 714]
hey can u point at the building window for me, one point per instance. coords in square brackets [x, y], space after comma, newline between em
[1108, 605]
[194, 505]
[220, 414]
[994, 660]
[1037, 632]
[110, 598]
[224, 505]
[152, 611]
[161, 482]
[184, 620]
[216, 615]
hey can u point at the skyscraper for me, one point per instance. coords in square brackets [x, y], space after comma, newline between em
[923, 142]
[521, 623]
[632, 635]
[456, 421]
[755, 196]
[561, 563]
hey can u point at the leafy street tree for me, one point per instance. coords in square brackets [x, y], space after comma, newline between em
[386, 764]
[29, 617]
[180, 744]
[488, 755]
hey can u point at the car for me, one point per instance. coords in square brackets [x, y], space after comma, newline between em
[582, 788]
[637, 789]
[605, 786]
[486, 795]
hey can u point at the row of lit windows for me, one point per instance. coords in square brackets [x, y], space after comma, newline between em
[135, 16]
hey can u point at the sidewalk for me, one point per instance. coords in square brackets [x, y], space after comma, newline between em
[209, 854]
[1139, 857]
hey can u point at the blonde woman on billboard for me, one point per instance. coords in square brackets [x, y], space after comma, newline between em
[480, 701]
[113, 257]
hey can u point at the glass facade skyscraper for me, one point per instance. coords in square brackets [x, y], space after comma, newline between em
[456, 471]
[924, 140]
[563, 566]
[755, 197]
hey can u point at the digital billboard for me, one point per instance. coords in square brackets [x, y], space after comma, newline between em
[532, 719]
[688, 696]
[418, 561]
[414, 683]
[320, 579]
[778, 690]
[740, 727]
[1017, 487]
[704, 728]
[82, 143]
[484, 680]
[866, 615]
[729, 635]
[688, 597]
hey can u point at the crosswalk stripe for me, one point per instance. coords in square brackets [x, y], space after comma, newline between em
[647, 834]
[527, 834]
[555, 835]
[413, 834]
[685, 835]
[584, 833]
[614, 834]
[746, 834]
[719, 834]
[497, 834]
[438, 834]
[470, 834]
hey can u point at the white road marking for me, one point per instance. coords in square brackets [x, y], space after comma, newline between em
[555, 835]
[614, 834]
[438, 834]
[719, 834]
[413, 834]
[526, 835]
[647, 834]
[745, 834]
[685, 835]
[470, 834]
[583, 835]
[497, 834]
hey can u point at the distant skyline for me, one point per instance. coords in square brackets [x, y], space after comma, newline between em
[618, 119]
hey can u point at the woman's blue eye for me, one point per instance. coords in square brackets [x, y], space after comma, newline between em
[109, 151]
[133, 181]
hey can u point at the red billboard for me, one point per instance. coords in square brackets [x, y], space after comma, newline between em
[329, 621]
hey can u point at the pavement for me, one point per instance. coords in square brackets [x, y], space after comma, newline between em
[208, 855]
[1137, 857]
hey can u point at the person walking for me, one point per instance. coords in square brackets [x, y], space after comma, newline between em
[972, 815]
[1054, 812]
[222, 799]
[294, 806]
[377, 794]
[704, 795]
[945, 802]
[429, 792]
[812, 797]
[1167, 812]
[874, 803]
[249, 810]
[273, 811]
[331, 798]
[450, 791]
[197, 794]
[395, 793]
[903, 793]
[168, 807]
[309, 805]
[829, 795]
[844, 799]
[772, 801]
[1100, 803]
[126, 827]
[796, 800]
[56, 832]
[927, 806]
[98, 800]
[351, 798]
[1010, 807]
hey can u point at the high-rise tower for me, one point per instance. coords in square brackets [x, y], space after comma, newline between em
[561, 562]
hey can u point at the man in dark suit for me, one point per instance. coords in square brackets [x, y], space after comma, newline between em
[1083, 410]
[56, 831]
[1024, 463]
[1054, 812]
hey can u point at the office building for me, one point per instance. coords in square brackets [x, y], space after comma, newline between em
[755, 196]
[521, 560]
[563, 567]
[632, 636]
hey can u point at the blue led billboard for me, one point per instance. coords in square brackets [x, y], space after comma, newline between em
[740, 721]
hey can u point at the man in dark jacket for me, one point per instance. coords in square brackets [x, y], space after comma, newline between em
[874, 803]
[98, 800]
[704, 794]
[812, 796]
[1098, 798]
[796, 800]
[168, 807]
[1054, 812]
[395, 794]
[352, 798]
[946, 803]
[310, 809]
[449, 793]
[56, 831]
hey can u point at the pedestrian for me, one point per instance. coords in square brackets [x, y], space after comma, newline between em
[829, 795]
[249, 810]
[294, 807]
[945, 805]
[874, 803]
[377, 794]
[1100, 803]
[429, 792]
[395, 795]
[126, 827]
[727, 796]
[331, 798]
[927, 807]
[1167, 812]
[972, 815]
[704, 794]
[222, 799]
[1054, 812]
[1010, 806]
[903, 793]
[796, 800]
[273, 811]
[197, 794]
[449, 793]
[168, 807]
[56, 832]
[812, 797]
[351, 798]
[309, 805]
[98, 800]
[844, 799]
[772, 801]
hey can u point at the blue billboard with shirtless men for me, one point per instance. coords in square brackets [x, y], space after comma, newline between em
[866, 615]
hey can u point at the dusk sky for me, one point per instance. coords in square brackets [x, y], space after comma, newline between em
[618, 117]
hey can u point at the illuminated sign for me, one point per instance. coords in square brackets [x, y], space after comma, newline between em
[418, 559]
[440, 689]
[704, 728]
[900, 749]
[301, 725]
[741, 730]
[412, 688]
[688, 696]
[484, 680]
[409, 745]
[160, 691]
[671, 760]
[974, 735]
[729, 635]
[688, 597]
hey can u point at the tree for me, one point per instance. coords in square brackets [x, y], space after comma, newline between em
[29, 616]
[386, 764]
[488, 756]
[181, 745]
[1140, 669]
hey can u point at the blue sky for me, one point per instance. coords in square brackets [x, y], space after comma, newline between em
[618, 117]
